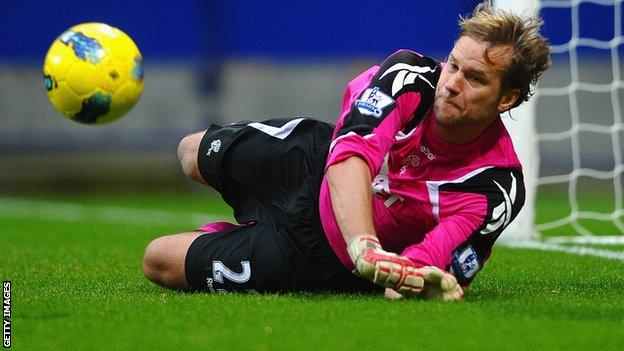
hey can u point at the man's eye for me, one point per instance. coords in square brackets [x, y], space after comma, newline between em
[477, 79]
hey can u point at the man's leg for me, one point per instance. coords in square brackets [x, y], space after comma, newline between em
[269, 163]
[163, 262]
[242, 258]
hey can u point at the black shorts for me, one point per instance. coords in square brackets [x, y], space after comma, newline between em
[270, 174]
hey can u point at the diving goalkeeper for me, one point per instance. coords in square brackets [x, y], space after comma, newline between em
[407, 192]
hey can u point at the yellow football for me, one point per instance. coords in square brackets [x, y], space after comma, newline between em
[93, 73]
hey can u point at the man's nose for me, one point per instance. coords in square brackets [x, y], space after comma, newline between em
[453, 84]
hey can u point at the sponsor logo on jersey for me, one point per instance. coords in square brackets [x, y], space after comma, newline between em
[425, 150]
[407, 75]
[465, 264]
[373, 102]
[415, 160]
[409, 161]
[501, 214]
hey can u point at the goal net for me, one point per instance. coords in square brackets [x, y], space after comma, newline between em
[570, 135]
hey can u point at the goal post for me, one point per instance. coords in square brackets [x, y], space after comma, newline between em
[581, 110]
[520, 123]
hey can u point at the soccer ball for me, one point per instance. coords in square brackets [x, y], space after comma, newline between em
[93, 73]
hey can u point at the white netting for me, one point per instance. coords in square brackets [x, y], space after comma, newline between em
[590, 165]
[570, 135]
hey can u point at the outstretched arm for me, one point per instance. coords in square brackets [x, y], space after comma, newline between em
[349, 185]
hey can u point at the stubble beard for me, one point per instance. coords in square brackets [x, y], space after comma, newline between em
[446, 115]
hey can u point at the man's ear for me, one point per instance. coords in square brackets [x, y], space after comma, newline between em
[507, 100]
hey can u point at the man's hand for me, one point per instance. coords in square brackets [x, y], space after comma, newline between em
[384, 268]
[438, 286]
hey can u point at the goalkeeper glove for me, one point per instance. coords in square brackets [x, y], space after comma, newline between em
[384, 268]
[438, 286]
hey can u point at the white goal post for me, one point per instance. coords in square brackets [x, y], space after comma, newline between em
[524, 135]
[528, 139]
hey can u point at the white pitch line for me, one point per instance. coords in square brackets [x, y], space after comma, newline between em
[598, 240]
[72, 213]
[576, 250]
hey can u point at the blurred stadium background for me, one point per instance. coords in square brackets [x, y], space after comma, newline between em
[220, 61]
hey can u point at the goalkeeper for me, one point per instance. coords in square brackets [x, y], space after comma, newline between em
[407, 192]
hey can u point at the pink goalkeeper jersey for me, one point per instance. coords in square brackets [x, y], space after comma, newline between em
[435, 202]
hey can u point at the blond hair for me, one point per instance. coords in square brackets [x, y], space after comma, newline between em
[531, 52]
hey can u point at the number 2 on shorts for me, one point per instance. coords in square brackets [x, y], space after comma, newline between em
[219, 271]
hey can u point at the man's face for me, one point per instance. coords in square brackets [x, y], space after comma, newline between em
[468, 95]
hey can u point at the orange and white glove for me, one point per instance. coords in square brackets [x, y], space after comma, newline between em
[439, 285]
[384, 268]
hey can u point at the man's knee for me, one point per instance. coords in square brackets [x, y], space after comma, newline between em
[187, 154]
[163, 262]
[154, 262]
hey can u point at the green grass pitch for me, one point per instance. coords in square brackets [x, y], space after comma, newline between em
[75, 266]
